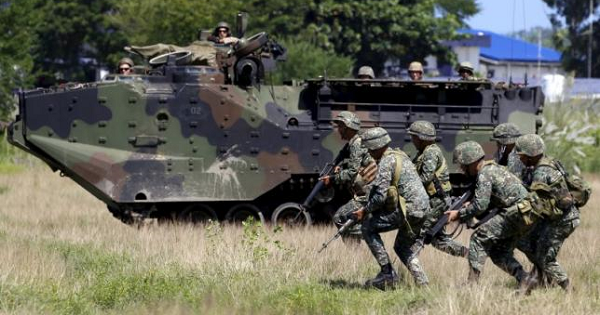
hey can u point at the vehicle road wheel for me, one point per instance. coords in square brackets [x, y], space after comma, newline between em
[291, 214]
[197, 214]
[240, 212]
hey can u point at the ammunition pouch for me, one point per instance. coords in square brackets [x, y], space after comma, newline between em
[527, 211]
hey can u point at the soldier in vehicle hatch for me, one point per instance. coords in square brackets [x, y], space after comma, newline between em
[397, 200]
[415, 71]
[125, 66]
[465, 71]
[345, 172]
[505, 136]
[433, 171]
[222, 34]
[365, 73]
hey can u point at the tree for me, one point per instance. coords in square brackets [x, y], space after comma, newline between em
[572, 37]
[305, 60]
[532, 35]
[371, 31]
[16, 42]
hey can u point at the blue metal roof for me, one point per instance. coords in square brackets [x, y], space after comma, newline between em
[510, 49]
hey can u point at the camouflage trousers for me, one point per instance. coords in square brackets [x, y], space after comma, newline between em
[543, 243]
[497, 239]
[341, 215]
[404, 244]
[442, 241]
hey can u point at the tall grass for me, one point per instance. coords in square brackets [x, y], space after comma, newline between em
[63, 253]
[571, 131]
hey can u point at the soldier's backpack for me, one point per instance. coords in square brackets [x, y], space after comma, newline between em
[579, 188]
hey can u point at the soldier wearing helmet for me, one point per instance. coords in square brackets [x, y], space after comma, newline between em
[397, 201]
[222, 34]
[125, 66]
[465, 71]
[505, 135]
[365, 73]
[433, 171]
[495, 187]
[415, 71]
[354, 156]
[561, 218]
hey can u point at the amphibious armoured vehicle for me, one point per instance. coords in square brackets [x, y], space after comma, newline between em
[198, 142]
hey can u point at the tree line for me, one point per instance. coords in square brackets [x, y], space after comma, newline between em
[42, 41]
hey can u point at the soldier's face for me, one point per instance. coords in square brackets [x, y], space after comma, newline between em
[415, 75]
[465, 73]
[470, 170]
[377, 154]
[222, 32]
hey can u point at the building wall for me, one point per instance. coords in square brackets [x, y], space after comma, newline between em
[503, 71]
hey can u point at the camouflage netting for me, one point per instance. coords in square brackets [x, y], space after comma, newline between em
[203, 53]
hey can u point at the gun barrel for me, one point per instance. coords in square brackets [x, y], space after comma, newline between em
[312, 194]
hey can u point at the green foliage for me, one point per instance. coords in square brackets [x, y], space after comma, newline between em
[532, 35]
[145, 22]
[305, 60]
[16, 42]
[572, 133]
[572, 35]
[8, 155]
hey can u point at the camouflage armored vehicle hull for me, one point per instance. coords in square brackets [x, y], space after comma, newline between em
[185, 143]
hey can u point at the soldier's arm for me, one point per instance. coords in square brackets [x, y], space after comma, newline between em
[380, 184]
[348, 173]
[428, 166]
[481, 199]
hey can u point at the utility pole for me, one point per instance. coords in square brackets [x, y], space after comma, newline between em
[589, 59]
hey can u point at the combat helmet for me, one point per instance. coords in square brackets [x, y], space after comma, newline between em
[375, 138]
[126, 60]
[223, 24]
[530, 145]
[467, 153]
[424, 130]
[506, 133]
[465, 65]
[348, 119]
[366, 71]
[415, 66]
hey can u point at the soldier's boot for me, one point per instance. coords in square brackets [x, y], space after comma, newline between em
[473, 276]
[527, 281]
[387, 278]
[566, 285]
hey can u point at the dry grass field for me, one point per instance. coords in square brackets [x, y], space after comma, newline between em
[63, 253]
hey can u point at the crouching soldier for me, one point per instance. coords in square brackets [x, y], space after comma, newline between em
[495, 187]
[397, 200]
[433, 171]
[543, 243]
[346, 170]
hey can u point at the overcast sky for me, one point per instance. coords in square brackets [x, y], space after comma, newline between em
[506, 16]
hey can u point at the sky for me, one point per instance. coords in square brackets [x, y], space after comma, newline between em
[498, 15]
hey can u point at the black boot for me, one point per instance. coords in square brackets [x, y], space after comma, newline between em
[566, 285]
[385, 279]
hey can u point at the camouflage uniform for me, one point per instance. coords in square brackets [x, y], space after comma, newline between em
[543, 243]
[428, 163]
[495, 188]
[358, 156]
[379, 219]
[506, 134]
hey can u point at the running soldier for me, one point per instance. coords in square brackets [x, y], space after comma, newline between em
[495, 187]
[345, 172]
[433, 171]
[543, 243]
[397, 200]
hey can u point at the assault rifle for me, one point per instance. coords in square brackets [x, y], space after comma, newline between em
[349, 223]
[457, 204]
[326, 171]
